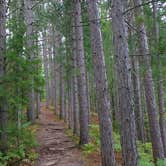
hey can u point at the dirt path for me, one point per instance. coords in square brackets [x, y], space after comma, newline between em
[56, 148]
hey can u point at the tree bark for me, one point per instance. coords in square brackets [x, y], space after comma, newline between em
[55, 48]
[139, 118]
[103, 109]
[83, 97]
[160, 82]
[45, 62]
[75, 89]
[3, 110]
[62, 95]
[157, 144]
[128, 131]
[29, 18]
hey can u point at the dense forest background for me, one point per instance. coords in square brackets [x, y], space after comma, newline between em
[98, 64]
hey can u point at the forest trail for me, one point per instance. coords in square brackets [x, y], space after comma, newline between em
[55, 147]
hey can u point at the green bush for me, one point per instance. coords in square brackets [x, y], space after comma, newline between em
[95, 134]
[89, 148]
[161, 162]
[20, 145]
[117, 144]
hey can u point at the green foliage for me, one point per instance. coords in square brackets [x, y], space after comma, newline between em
[140, 19]
[145, 163]
[20, 145]
[148, 163]
[145, 154]
[20, 71]
[161, 162]
[94, 134]
[89, 148]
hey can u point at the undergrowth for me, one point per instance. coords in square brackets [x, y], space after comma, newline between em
[20, 146]
[144, 150]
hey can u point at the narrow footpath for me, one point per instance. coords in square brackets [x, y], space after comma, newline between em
[55, 147]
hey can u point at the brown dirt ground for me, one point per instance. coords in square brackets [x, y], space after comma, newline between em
[55, 147]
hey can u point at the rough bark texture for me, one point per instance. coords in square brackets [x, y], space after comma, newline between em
[160, 81]
[45, 62]
[70, 104]
[157, 145]
[62, 95]
[75, 89]
[103, 109]
[139, 118]
[51, 65]
[30, 43]
[55, 47]
[3, 111]
[83, 97]
[128, 133]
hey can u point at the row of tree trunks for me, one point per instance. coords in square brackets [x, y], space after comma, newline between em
[157, 145]
[160, 81]
[73, 91]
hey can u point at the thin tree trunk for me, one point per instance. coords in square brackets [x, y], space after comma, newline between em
[37, 104]
[83, 97]
[50, 64]
[54, 68]
[157, 144]
[3, 110]
[106, 133]
[30, 43]
[128, 131]
[70, 97]
[62, 95]
[139, 118]
[75, 89]
[45, 62]
[160, 82]
[66, 110]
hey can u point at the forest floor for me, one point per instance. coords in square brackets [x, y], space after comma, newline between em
[55, 146]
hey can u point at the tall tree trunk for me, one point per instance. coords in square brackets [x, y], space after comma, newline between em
[157, 145]
[66, 110]
[54, 67]
[3, 110]
[37, 104]
[128, 131]
[160, 81]
[75, 89]
[37, 55]
[139, 118]
[83, 97]
[62, 95]
[106, 135]
[30, 43]
[45, 62]
[50, 64]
